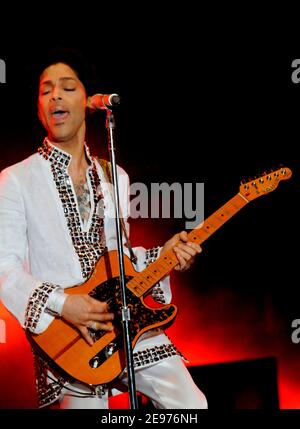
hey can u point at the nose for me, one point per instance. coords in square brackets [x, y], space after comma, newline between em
[56, 93]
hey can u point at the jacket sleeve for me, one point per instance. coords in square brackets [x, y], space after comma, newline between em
[25, 296]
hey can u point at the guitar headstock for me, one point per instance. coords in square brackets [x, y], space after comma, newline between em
[264, 184]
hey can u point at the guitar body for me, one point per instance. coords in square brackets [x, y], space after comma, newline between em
[105, 360]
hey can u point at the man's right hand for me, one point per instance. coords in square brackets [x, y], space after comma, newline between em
[82, 311]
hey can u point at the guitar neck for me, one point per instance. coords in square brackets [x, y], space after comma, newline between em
[146, 279]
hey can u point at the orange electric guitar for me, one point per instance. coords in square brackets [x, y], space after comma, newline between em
[105, 359]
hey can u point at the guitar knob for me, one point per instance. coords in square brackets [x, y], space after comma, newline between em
[110, 349]
[95, 362]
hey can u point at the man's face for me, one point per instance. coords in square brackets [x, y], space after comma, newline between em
[61, 102]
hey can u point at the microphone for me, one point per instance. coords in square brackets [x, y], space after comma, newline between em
[103, 101]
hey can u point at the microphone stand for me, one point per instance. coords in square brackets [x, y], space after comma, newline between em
[110, 125]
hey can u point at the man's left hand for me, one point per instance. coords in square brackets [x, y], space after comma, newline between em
[185, 250]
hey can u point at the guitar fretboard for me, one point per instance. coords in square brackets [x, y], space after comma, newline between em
[147, 278]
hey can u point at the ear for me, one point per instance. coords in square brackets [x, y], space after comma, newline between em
[88, 101]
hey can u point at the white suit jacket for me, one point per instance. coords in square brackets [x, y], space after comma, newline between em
[43, 244]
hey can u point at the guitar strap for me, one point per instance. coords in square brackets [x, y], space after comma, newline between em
[106, 166]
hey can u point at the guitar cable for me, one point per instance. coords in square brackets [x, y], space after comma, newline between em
[100, 392]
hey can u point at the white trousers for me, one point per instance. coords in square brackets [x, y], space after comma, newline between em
[167, 383]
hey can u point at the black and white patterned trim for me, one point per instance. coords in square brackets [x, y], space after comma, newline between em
[155, 354]
[36, 305]
[49, 388]
[89, 245]
[151, 255]
[157, 292]
[48, 392]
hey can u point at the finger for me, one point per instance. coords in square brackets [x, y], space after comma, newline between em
[184, 253]
[181, 260]
[190, 250]
[194, 246]
[96, 326]
[86, 335]
[183, 236]
[182, 266]
[101, 317]
[99, 306]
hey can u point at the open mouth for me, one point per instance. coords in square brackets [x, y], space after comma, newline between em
[59, 115]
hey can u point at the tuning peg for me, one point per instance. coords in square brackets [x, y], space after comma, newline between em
[283, 170]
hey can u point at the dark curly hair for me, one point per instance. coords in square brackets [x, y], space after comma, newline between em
[74, 58]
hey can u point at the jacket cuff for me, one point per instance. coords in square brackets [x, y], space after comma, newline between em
[56, 302]
[36, 305]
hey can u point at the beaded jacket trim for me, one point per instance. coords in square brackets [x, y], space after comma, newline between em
[89, 245]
